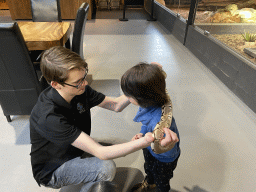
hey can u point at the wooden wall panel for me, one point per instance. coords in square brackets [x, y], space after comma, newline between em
[69, 8]
[21, 9]
[3, 5]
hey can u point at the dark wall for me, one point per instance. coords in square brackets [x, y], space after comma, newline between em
[134, 2]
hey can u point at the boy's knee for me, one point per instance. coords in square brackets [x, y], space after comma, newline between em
[108, 170]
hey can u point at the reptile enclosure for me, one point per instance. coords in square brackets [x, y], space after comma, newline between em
[234, 70]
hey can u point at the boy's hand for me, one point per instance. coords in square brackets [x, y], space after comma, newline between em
[137, 136]
[171, 138]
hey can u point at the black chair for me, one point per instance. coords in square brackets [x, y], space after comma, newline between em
[115, 4]
[45, 10]
[103, 4]
[79, 28]
[19, 80]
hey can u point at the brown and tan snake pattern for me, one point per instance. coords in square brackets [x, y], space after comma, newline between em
[158, 133]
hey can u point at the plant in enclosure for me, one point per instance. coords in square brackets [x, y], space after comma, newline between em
[249, 37]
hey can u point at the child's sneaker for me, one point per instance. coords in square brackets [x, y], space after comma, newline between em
[143, 187]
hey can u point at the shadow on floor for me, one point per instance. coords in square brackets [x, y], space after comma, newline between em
[195, 189]
[127, 177]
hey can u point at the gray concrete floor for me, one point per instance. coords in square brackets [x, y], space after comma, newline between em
[217, 130]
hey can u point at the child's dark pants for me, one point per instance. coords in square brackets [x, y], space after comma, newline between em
[158, 172]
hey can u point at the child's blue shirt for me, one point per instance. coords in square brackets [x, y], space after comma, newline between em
[149, 117]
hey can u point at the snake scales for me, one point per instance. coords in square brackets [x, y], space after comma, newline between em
[158, 132]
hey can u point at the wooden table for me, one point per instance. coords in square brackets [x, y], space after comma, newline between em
[44, 35]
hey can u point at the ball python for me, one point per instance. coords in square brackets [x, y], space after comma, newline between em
[158, 132]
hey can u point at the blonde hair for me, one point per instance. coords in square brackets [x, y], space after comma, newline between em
[57, 61]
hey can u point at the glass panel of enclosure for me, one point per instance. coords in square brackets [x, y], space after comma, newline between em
[233, 22]
[180, 7]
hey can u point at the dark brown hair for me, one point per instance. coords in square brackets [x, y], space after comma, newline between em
[145, 83]
[57, 61]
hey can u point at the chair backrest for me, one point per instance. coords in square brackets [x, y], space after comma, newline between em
[103, 4]
[19, 84]
[79, 28]
[115, 4]
[46, 10]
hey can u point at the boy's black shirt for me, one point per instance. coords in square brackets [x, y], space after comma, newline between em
[54, 125]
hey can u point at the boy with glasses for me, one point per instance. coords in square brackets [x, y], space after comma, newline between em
[60, 126]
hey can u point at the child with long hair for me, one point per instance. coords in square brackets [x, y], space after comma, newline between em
[145, 86]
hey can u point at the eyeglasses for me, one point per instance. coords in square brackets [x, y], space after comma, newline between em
[79, 84]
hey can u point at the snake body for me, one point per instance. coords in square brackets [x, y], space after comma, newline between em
[158, 132]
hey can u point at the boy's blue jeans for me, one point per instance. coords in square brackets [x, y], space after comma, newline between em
[87, 171]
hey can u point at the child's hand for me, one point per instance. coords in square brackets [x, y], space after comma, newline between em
[158, 64]
[137, 136]
[149, 138]
[171, 138]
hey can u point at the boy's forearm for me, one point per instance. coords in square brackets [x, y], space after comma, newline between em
[115, 104]
[120, 150]
[87, 144]
[121, 103]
